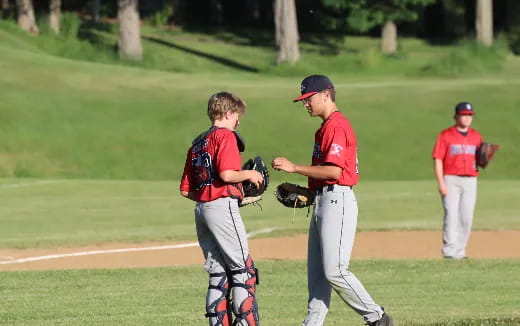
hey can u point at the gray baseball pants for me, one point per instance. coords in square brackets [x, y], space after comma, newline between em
[459, 205]
[223, 239]
[331, 238]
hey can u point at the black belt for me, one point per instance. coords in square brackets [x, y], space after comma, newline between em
[328, 188]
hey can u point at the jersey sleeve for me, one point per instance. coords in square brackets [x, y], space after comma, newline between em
[439, 149]
[185, 179]
[228, 156]
[334, 145]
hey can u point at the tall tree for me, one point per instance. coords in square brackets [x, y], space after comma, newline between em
[54, 15]
[5, 8]
[95, 10]
[26, 19]
[484, 22]
[129, 43]
[366, 14]
[286, 31]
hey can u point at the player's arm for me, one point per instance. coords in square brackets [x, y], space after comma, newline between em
[228, 163]
[184, 186]
[438, 154]
[319, 172]
[232, 176]
[438, 169]
[187, 194]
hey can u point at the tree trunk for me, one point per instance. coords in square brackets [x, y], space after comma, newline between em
[54, 15]
[286, 31]
[95, 10]
[129, 43]
[5, 9]
[484, 22]
[26, 19]
[389, 38]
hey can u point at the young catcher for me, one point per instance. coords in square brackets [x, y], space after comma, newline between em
[455, 168]
[212, 177]
[333, 173]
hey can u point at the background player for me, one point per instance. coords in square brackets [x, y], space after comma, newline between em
[212, 177]
[456, 171]
[333, 173]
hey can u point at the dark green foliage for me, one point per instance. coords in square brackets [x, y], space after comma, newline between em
[362, 15]
[69, 25]
[161, 17]
[514, 42]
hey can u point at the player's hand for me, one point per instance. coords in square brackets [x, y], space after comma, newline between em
[283, 164]
[255, 177]
[443, 190]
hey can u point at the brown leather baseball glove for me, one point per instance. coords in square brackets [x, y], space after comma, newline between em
[485, 153]
[294, 196]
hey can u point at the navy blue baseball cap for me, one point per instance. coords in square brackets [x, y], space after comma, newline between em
[312, 85]
[464, 108]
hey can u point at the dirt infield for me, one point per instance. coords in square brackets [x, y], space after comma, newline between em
[368, 245]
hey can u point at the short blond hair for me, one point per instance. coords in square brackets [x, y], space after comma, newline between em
[222, 102]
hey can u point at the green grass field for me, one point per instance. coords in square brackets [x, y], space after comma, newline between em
[64, 118]
[47, 213]
[91, 150]
[416, 293]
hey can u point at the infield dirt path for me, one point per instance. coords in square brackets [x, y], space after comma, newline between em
[368, 245]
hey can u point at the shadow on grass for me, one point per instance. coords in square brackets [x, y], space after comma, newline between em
[217, 59]
[99, 34]
[326, 44]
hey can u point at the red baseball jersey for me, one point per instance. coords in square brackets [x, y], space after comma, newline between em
[211, 154]
[335, 143]
[457, 152]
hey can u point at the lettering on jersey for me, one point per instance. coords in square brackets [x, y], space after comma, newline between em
[458, 149]
[317, 151]
[336, 149]
[202, 166]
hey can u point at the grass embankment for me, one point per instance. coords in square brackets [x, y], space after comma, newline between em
[76, 119]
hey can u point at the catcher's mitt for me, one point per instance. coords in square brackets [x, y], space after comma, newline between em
[293, 195]
[252, 193]
[485, 153]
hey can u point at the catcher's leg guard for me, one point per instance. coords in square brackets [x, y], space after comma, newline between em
[244, 302]
[218, 308]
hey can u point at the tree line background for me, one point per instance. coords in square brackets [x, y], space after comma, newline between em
[442, 21]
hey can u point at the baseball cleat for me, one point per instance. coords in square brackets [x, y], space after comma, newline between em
[386, 320]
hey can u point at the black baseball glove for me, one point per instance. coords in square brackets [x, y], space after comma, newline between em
[294, 196]
[252, 193]
[485, 153]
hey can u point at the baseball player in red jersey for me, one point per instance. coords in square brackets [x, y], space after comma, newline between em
[212, 177]
[332, 175]
[456, 171]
